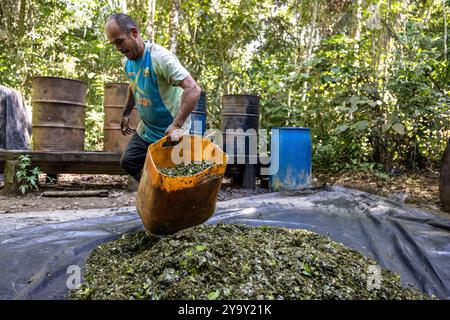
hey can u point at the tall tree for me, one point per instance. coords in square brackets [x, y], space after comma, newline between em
[358, 20]
[313, 30]
[173, 25]
[151, 10]
[445, 29]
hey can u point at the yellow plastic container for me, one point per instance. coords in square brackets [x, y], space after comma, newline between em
[168, 204]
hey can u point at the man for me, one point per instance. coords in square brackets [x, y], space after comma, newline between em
[162, 90]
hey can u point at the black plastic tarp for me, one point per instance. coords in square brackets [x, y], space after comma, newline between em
[416, 244]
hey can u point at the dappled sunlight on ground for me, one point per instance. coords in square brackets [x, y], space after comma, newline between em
[419, 189]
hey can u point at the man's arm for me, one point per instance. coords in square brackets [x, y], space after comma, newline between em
[189, 99]
[129, 105]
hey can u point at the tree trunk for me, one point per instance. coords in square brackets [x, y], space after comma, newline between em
[151, 20]
[444, 181]
[21, 23]
[357, 34]
[11, 186]
[8, 14]
[445, 30]
[311, 43]
[173, 26]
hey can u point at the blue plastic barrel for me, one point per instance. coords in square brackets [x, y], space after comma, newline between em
[198, 116]
[291, 153]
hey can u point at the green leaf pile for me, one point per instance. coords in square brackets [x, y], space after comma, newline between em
[229, 261]
[187, 169]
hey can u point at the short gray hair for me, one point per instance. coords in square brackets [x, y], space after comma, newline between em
[125, 22]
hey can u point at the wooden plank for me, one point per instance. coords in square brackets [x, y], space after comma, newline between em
[53, 156]
[77, 193]
[76, 168]
[68, 162]
[79, 167]
[79, 162]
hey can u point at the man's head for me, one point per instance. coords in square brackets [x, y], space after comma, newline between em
[123, 33]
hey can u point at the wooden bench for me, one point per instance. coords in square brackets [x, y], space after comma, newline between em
[88, 162]
[55, 162]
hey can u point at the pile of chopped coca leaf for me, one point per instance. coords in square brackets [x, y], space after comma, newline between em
[228, 261]
[188, 169]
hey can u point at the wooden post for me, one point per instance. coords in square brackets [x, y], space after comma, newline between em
[11, 186]
[237, 172]
[444, 180]
[249, 176]
[264, 183]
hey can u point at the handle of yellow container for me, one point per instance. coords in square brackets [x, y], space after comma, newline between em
[169, 143]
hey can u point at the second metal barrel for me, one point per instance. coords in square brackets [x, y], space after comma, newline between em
[240, 112]
[115, 97]
[240, 123]
[59, 108]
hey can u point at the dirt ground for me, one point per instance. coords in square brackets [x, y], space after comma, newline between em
[118, 194]
[415, 189]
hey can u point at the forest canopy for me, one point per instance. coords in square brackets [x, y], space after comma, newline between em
[370, 78]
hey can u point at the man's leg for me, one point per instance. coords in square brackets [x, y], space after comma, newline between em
[133, 158]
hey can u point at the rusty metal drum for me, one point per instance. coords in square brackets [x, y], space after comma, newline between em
[59, 108]
[240, 123]
[115, 97]
[240, 111]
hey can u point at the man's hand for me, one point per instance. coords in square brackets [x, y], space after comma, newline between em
[175, 132]
[190, 96]
[124, 128]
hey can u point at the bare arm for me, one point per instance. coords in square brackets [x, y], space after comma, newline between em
[189, 99]
[129, 105]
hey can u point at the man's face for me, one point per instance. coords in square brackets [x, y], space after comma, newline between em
[126, 42]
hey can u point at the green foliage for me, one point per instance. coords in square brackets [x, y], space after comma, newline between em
[27, 178]
[50, 180]
[63, 39]
[371, 82]
[248, 263]
[383, 176]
